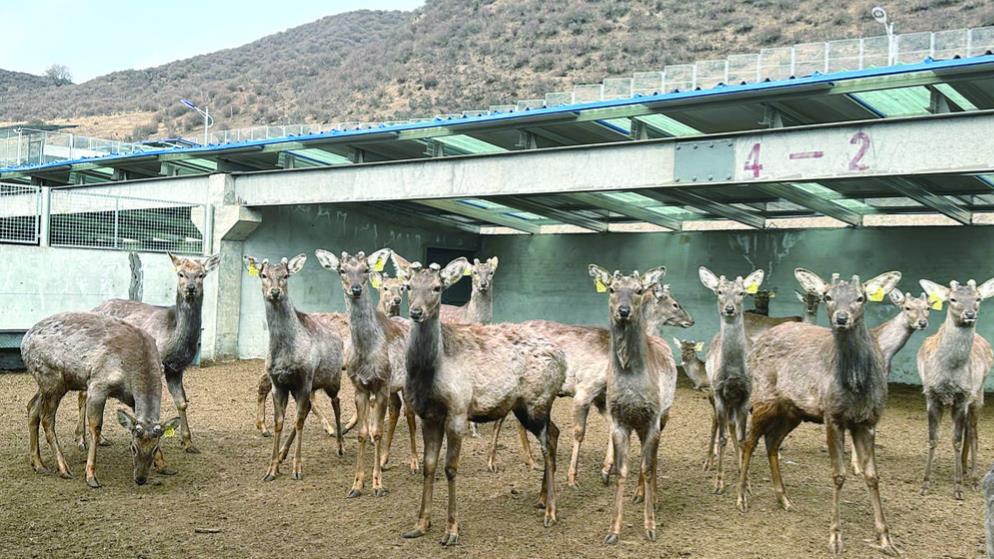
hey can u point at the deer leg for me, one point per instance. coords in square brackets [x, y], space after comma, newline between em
[526, 448]
[934, 407]
[620, 436]
[836, 452]
[581, 409]
[719, 477]
[393, 414]
[453, 432]
[361, 410]
[161, 466]
[280, 396]
[336, 407]
[265, 387]
[34, 423]
[94, 413]
[854, 462]
[316, 409]
[650, 447]
[303, 399]
[974, 412]
[376, 432]
[50, 405]
[412, 430]
[174, 382]
[492, 454]
[549, 441]
[713, 441]
[959, 413]
[863, 444]
[774, 437]
[432, 430]
[609, 464]
[81, 424]
[473, 430]
[760, 423]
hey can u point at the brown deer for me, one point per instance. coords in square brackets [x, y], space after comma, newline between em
[374, 364]
[692, 364]
[953, 364]
[457, 372]
[836, 376]
[176, 329]
[305, 355]
[391, 291]
[106, 357]
[641, 383]
[726, 367]
[811, 302]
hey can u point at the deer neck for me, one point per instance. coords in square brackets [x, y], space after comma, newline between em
[855, 360]
[283, 324]
[481, 306]
[629, 344]
[182, 345]
[955, 343]
[810, 316]
[733, 347]
[892, 335]
[424, 356]
[367, 333]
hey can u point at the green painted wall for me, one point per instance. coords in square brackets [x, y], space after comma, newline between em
[546, 276]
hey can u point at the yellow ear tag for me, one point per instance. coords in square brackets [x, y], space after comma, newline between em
[253, 271]
[599, 285]
[936, 302]
[374, 281]
[468, 272]
[170, 432]
[877, 295]
[379, 265]
[752, 288]
[699, 346]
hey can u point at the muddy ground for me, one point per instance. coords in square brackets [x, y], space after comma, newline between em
[221, 490]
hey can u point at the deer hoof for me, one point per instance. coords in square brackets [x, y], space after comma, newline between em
[573, 483]
[415, 533]
[492, 466]
[93, 483]
[81, 444]
[340, 452]
[386, 466]
[40, 469]
[605, 477]
[297, 476]
[958, 494]
[450, 539]
[103, 441]
[381, 492]
[269, 477]
[65, 474]
[835, 543]
[742, 502]
[549, 520]
[353, 493]
[638, 498]
[886, 546]
[266, 433]
[650, 535]
[611, 539]
[190, 449]
[167, 471]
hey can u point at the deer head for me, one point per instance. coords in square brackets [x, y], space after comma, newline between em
[191, 273]
[274, 276]
[666, 310]
[627, 294]
[688, 348]
[391, 291]
[809, 300]
[730, 293]
[846, 300]
[915, 309]
[483, 274]
[145, 437]
[964, 299]
[425, 285]
[354, 271]
[761, 300]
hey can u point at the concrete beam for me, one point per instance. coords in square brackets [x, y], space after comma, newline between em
[937, 144]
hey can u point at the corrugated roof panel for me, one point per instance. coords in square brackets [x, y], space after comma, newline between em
[904, 101]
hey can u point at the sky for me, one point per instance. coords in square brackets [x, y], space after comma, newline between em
[94, 37]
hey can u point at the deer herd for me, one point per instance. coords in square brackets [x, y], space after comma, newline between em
[452, 367]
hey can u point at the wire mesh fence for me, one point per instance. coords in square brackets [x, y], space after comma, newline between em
[87, 220]
[20, 213]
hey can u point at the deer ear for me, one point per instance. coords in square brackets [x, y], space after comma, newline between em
[810, 281]
[602, 278]
[881, 285]
[177, 260]
[402, 266]
[327, 260]
[296, 264]
[896, 297]
[126, 420]
[753, 281]
[937, 294]
[378, 260]
[653, 276]
[986, 289]
[252, 265]
[677, 342]
[493, 262]
[708, 278]
[476, 261]
[455, 270]
[376, 280]
[800, 296]
[212, 262]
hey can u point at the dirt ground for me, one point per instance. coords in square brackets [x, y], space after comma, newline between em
[221, 489]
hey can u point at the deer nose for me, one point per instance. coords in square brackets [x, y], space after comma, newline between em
[140, 480]
[729, 309]
[624, 311]
[417, 313]
[923, 324]
[356, 290]
[842, 319]
[396, 300]
[274, 293]
[970, 315]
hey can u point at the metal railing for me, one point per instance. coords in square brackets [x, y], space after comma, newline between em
[21, 147]
[20, 213]
[88, 220]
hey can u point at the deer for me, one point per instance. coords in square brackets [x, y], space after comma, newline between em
[692, 364]
[641, 384]
[588, 354]
[105, 357]
[836, 376]
[953, 364]
[176, 330]
[305, 355]
[374, 364]
[391, 291]
[726, 366]
[811, 302]
[458, 372]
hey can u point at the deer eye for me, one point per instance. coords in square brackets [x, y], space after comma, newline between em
[202, 275]
[952, 299]
[263, 275]
[638, 291]
[610, 290]
[828, 298]
[859, 299]
[179, 274]
[676, 305]
[437, 289]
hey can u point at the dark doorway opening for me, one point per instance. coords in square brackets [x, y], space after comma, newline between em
[459, 293]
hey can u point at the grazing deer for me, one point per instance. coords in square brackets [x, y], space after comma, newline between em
[836, 376]
[375, 363]
[727, 370]
[641, 383]
[176, 329]
[305, 355]
[953, 364]
[811, 302]
[108, 358]
[588, 354]
[457, 372]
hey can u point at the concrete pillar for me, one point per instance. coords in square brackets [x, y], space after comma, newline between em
[227, 226]
[989, 516]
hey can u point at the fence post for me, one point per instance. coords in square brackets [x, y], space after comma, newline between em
[208, 243]
[45, 217]
[117, 220]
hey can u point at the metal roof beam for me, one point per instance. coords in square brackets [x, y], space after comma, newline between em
[698, 201]
[813, 202]
[923, 196]
[489, 216]
[599, 200]
[404, 216]
[974, 94]
[556, 214]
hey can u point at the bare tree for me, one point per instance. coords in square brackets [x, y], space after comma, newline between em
[59, 74]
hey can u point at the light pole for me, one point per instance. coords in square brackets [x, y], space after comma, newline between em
[208, 119]
[880, 15]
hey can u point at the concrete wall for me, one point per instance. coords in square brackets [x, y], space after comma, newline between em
[36, 282]
[290, 230]
[546, 276]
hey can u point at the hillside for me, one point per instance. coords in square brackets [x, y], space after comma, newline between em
[451, 55]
